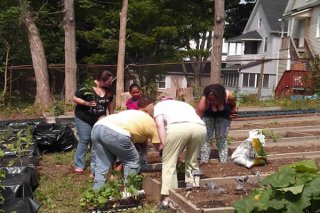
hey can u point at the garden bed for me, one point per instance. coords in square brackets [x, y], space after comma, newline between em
[272, 151]
[224, 174]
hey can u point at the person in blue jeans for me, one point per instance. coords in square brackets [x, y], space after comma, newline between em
[92, 103]
[114, 137]
[217, 107]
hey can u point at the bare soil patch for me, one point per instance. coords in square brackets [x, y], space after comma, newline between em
[203, 197]
[153, 157]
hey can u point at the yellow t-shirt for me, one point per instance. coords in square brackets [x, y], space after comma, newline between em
[139, 124]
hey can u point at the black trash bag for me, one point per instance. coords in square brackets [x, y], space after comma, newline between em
[34, 174]
[20, 205]
[54, 137]
[17, 185]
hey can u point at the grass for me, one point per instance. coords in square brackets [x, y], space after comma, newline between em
[60, 189]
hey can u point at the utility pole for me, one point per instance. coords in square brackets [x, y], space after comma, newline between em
[216, 51]
[121, 52]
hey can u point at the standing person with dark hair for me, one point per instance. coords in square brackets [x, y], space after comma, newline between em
[92, 104]
[216, 108]
[135, 92]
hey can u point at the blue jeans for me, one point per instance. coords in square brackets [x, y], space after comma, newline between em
[110, 145]
[84, 132]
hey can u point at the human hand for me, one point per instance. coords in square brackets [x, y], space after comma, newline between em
[234, 114]
[91, 104]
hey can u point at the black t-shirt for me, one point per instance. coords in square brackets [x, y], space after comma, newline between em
[91, 114]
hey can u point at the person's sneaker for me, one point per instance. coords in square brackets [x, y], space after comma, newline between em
[78, 170]
[163, 207]
[189, 187]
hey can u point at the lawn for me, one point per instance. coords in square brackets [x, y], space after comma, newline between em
[60, 189]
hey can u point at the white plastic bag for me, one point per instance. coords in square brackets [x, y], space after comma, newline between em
[250, 152]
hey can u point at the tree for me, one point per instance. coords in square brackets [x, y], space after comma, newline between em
[121, 51]
[70, 51]
[237, 18]
[43, 97]
[219, 19]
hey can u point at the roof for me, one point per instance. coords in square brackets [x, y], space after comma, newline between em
[273, 10]
[291, 11]
[249, 36]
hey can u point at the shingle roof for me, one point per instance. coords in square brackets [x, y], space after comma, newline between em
[274, 10]
[249, 36]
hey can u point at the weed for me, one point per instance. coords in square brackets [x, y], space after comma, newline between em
[269, 134]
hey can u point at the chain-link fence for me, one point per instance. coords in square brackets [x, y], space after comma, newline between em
[242, 75]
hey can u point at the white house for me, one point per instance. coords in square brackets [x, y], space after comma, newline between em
[256, 50]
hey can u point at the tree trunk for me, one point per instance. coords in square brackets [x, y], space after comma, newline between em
[121, 52]
[5, 83]
[43, 97]
[216, 54]
[70, 51]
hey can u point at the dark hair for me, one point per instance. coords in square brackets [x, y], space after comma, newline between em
[103, 75]
[217, 90]
[145, 101]
[134, 85]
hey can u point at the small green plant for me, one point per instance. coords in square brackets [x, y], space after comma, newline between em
[269, 134]
[273, 122]
[294, 189]
[112, 191]
[58, 108]
[23, 140]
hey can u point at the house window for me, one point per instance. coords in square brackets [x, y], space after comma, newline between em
[265, 44]
[162, 82]
[259, 22]
[265, 81]
[231, 79]
[318, 26]
[248, 80]
[252, 80]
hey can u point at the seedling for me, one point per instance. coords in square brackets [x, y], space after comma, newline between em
[214, 189]
[258, 176]
[112, 192]
[240, 188]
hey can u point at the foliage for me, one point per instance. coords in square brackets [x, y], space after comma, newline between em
[22, 139]
[315, 70]
[269, 134]
[112, 191]
[237, 18]
[58, 108]
[293, 189]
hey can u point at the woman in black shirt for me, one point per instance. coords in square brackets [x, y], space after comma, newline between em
[92, 103]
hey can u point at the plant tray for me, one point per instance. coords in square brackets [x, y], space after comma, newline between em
[124, 205]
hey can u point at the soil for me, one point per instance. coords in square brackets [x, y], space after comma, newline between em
[153, 157]
[204, 197]
[273, 124]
